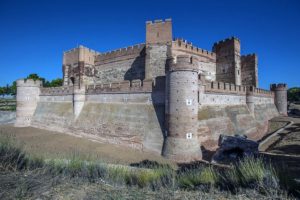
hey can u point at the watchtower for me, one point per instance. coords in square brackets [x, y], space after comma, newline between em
[181, 142]
[280, 100]
[228, 59]
[158, 42]
[27, 98]
[74, 62]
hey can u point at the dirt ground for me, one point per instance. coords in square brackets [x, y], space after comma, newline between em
[49, 144]
[288, 140]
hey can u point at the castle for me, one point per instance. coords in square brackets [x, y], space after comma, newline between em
[165, 96]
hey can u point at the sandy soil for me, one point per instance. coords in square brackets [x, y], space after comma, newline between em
[49, 144]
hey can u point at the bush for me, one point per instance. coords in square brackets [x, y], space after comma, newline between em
[251, 172]
[193, 178]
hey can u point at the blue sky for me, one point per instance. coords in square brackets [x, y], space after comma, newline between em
[35, 33]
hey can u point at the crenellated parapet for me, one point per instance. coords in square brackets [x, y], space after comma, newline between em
[83, 47]
[111, 55]
[225, 42]
[56, 91]
[183, 63]
[28, 83]
[251, 90]
[225, 88]
[184, 46]
[249, 56]
[121, 87]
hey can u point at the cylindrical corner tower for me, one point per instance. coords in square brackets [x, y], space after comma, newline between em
[280, 99]
[28, 92]
[181, 143]
[250, 99]
[78, 99]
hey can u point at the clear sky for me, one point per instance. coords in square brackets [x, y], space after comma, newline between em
[34, 34]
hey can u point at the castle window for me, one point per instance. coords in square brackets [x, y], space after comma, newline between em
[157, 34]
[238, 72]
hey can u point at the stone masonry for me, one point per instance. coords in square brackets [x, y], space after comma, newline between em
[165, 96]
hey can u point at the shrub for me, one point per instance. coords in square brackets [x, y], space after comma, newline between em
[251, 172]
[193, 178]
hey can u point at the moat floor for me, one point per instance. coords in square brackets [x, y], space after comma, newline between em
[49, 144]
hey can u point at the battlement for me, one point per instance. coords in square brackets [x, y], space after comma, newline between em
[248, 56]
[226, 41]
[279, 86]
[183, 45]
[184, 62]
[81, 47]
[56, 91]
[28, 83]
[251, 90]
[119, 87]
[159, 21]
[131, 50]
[159, 32]
[226, 88]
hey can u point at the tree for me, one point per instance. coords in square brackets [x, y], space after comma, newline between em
[2, 91]
[13, 88]
[34, 77]
[294, 94]
[56, 82]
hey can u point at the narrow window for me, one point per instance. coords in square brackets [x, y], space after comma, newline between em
[157, 34]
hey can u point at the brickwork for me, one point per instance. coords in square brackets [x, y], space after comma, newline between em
[166, 96]
[182, 113]
[249, 70]
[159, 32]
[228, 61]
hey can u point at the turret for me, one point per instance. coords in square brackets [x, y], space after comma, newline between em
[28, 92]
[181, 142]
[280, 99]
[78, 100]
[250, 99]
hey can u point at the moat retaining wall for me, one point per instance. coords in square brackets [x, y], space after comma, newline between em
[132, 113]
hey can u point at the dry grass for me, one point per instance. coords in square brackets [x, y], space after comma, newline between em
[26, 176]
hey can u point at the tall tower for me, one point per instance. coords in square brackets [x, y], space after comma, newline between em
[181, 142]
[158, 41]
[74, 63]
[28, 92]
[228, 57]
[280, 99]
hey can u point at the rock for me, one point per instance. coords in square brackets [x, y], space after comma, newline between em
[233, 148]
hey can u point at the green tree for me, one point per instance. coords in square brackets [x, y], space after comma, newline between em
[56, 82]
[294, 94]
[13, 88]
[2, 90]
[34, 77]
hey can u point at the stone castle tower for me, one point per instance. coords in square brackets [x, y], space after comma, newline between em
[165, 95]
[280, 91]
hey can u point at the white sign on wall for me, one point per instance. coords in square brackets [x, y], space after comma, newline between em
[189, 136]
[189, 102]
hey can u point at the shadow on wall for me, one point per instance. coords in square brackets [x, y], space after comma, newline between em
[137, 69]
[158, 102]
